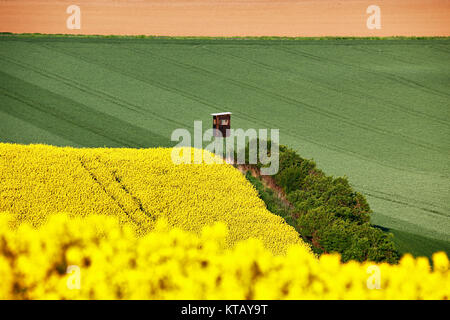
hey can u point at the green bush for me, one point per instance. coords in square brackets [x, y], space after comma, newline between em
[353, 241]
[327, 212]
[336, 195]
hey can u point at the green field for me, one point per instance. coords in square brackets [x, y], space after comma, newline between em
[377, 111]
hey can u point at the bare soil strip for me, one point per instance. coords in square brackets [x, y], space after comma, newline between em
[267, 181]
[228, 17]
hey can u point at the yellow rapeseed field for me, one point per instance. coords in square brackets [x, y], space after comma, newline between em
[98, 258]
[136, 185]
[130, 224]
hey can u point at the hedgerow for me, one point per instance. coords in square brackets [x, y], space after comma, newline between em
[327, 212]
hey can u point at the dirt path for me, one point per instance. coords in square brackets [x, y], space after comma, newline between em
[267, 181]
[229, 17]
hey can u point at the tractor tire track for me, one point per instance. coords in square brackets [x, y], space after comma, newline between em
[409, 202]
[97, 93]
[136, 200]
[36, 105]
[213, 107]
[296, 103]
[114, 198]
[66, 81]
[396, 106]
[395, 78]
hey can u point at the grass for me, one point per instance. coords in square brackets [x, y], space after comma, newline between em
[376, 111]
[417, 245]
[273, 203]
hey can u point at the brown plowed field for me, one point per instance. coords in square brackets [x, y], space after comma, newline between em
[229, 17]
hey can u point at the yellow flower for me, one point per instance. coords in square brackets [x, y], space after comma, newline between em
[139, 186]
[130, 224]
[110, 262]
[440, 261]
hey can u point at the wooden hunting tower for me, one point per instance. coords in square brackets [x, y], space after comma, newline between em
[221, 122]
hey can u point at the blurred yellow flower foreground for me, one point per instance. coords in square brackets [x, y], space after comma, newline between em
[129, 224]
[97, 258]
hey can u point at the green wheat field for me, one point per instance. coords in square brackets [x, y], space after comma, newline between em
[376, 111]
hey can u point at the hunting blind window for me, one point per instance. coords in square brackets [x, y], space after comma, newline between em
[221, 122]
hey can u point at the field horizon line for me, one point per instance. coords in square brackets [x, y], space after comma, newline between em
[229, 38]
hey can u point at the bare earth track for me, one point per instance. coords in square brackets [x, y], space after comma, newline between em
[228, 18]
